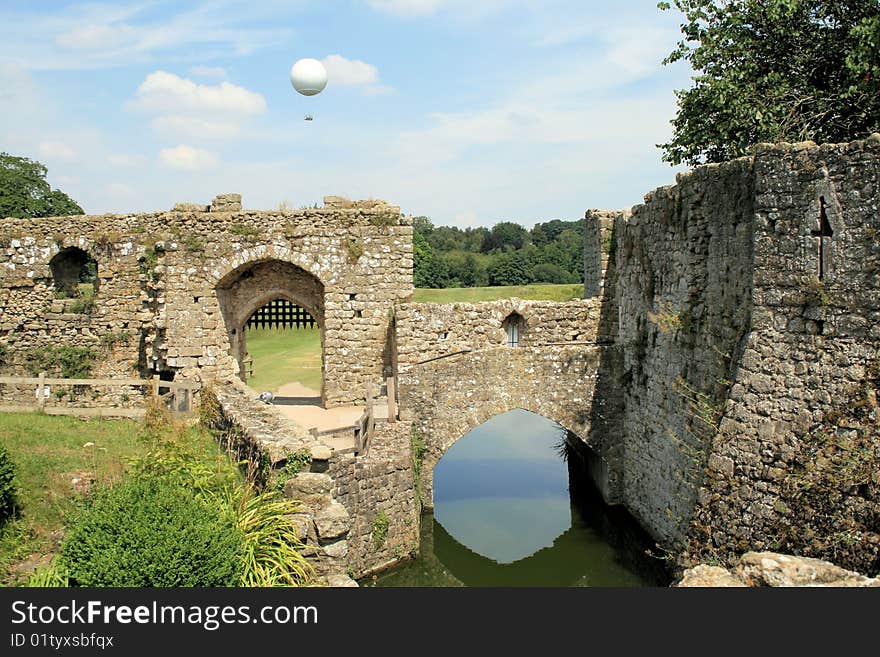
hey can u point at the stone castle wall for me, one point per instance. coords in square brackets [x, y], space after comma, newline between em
[175, 287]
[599, 245]
[813, 346]
[682, 284]
[732, 346]
[378, 489]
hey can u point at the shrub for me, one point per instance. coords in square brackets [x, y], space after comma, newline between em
[151, 531]
[7, 486]
[380, 530]
[354, 248]
[84, 302]
[293, 465]
[69, 362]
[271, 548]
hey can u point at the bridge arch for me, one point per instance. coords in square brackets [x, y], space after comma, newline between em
[250, 286]
[439, 442]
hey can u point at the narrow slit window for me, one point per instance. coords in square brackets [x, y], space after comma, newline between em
[824, 231]
[513, 328]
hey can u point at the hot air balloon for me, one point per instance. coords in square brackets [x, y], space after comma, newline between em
[309, 77]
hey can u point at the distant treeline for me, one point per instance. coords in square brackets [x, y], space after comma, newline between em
[506, 254]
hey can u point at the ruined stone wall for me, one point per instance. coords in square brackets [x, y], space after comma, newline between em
[683, 291]
[258, 434]
[450, 385]
[163, 276]
[599, 246]
[812, 348]
[431, 330]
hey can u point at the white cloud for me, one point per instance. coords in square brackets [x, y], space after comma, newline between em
[194, 127]
[165, 92]
[93, 35]
[407, 7]
[16, 86]
[125, 160]
[354, 72]
[639, 50]
[68, 180]
[209, 72]
[56, 150]
[378, 90]
[349, 71]
[187, 158]
[96, 36]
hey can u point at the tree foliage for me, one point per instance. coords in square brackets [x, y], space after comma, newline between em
[24, 191]
[506, 254]
[774, 70]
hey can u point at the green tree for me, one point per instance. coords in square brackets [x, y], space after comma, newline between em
[505, 236]
[547, 272]
[510, 269]
[464, 270]
[774, 70]
[429, 269]
[422, 225]
[24, 191]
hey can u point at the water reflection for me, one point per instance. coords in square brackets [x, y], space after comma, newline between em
[507, 514]
[502, 490]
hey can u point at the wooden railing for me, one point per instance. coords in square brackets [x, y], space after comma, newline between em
[364, 427]
[179, 395]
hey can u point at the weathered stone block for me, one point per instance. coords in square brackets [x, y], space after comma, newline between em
[332, 521]
[305, 484]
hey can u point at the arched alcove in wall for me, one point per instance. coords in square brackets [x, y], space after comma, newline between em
[72, 267]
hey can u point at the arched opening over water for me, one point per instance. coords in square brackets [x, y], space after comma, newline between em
[514, 505]
[274, 315]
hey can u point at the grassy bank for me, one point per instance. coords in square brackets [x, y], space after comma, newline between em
[475, 294]
[58, 459]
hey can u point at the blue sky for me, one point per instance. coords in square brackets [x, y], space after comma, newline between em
[470, 112]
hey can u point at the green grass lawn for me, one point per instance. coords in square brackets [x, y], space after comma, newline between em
[474, 294]
[285, 356]
[50, 454]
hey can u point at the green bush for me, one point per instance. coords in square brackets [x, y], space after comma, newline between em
[151, 531]
[7, 486]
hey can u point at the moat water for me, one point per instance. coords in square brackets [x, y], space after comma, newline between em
[509, 511]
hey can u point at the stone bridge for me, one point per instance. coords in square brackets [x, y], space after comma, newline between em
[458, 366]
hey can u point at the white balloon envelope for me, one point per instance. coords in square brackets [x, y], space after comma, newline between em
[308, 76]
